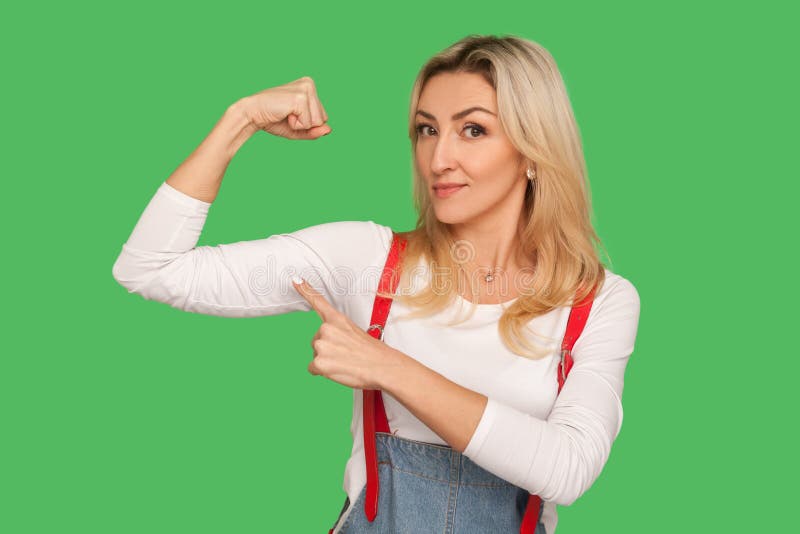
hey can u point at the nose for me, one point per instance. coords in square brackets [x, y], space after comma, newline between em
[444, 152]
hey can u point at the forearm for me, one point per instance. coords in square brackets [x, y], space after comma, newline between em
[450, 410]
[200, 175]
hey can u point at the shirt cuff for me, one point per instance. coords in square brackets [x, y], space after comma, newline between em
[171, 222]
[484, 426]
[197, 205]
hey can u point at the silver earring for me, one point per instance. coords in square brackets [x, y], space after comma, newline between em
[531, 174]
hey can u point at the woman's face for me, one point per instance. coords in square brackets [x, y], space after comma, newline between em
[469, 149]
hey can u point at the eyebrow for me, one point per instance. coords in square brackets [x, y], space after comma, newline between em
[459, 115]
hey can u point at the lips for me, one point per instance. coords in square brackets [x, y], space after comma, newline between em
[448, 185]
[445, 190]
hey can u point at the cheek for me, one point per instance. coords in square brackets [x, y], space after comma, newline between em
[491, 170]
[424, 153]
[420, 162]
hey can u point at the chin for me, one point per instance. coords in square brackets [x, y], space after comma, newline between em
[450, 216]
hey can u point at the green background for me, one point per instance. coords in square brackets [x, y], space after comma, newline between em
[121, 415]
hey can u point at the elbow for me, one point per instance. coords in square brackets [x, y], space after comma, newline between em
[118, 271]
[578, 478]
[132, 271]
[565, 499]
[568, 489]
[563, 496]
[161, 277]
[581, 462]
[146, 273]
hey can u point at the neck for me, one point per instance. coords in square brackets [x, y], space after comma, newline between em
[493, 238]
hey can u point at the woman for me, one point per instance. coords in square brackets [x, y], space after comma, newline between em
[477, 428]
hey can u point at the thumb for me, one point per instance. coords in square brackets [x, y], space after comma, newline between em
[312, 133]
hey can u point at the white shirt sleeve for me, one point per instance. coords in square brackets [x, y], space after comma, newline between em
[161, 262]
[559, 458]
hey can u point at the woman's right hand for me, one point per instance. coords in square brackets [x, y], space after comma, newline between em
[292, 110]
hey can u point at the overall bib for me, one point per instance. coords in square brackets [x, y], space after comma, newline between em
[424, 487]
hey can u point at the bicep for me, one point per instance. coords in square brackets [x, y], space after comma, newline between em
[253, 278]
[161, 262]
[243, 279]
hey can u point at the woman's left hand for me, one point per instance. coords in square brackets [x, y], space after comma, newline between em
[344, 352]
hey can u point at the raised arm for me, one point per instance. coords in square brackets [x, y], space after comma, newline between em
[293, 111]
[160, 261]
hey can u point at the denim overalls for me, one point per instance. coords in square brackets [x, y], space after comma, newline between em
[415, 487]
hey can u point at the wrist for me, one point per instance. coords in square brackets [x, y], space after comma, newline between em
[238, 124]
[394, 365]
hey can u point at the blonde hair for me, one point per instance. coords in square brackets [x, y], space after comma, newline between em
[557, 235]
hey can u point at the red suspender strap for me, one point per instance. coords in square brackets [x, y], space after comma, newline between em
[374, 413]
[577, 320]
[575, 324]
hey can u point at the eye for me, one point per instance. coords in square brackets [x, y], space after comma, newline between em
[472, 127]
[475, 128]
[420, 127]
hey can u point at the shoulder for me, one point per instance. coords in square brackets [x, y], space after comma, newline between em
[617, 291]
[610, 329]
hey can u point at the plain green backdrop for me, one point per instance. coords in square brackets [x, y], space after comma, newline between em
[121, 415]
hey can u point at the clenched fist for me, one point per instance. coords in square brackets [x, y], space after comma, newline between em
[292, 110]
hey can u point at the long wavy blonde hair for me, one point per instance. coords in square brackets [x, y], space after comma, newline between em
[557, 235]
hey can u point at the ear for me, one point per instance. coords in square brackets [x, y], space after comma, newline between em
[523, 166]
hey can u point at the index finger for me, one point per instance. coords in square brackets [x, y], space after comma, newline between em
[323, 308]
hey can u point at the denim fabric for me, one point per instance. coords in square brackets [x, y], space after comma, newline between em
[427, 488]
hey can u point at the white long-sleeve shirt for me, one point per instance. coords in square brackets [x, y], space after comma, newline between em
[555, 446]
